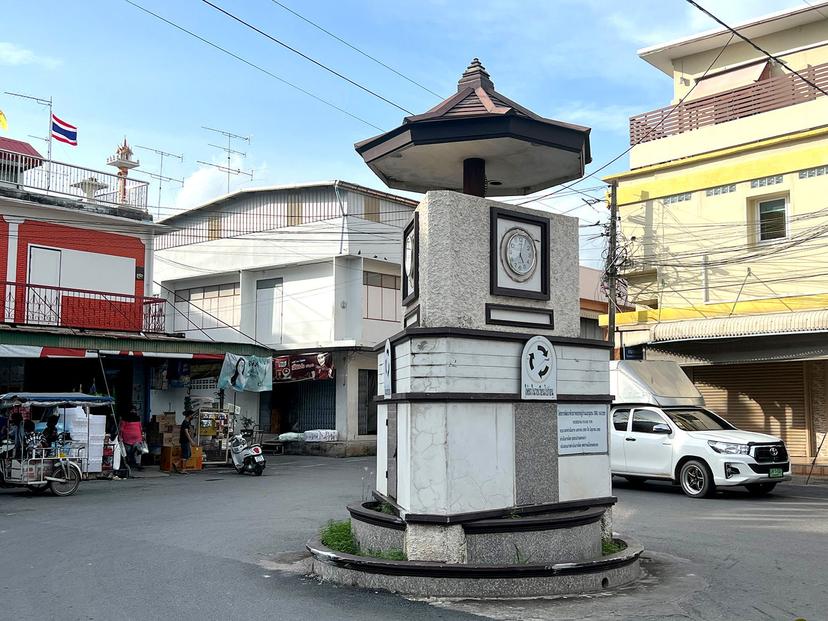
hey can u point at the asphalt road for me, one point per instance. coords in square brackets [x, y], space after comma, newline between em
[212, 545]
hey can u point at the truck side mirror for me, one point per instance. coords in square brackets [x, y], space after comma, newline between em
[662, 428]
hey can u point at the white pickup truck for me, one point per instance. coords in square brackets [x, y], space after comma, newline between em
[661, 430]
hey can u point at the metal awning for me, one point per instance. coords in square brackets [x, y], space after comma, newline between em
[49, 399]
[740, 326]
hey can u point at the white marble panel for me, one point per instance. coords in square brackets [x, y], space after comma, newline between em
[583, 476]
[481, 459]
[428, 459]
[382, 448]
[403, 454]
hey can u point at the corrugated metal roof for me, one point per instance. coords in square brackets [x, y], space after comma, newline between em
[749, 325]
[18, 146]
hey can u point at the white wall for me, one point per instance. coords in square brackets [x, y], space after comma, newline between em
[583, 476]
[172, 400]
[307, 304]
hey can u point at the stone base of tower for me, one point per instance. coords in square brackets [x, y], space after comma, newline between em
[525, 552]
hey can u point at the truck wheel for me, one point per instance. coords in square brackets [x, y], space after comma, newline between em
[760, 489]
[696, 479]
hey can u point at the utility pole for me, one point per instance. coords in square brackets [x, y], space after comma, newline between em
[230, 152]
[160, 176]
[612, 264]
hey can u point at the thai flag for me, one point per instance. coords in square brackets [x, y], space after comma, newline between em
[61, 130]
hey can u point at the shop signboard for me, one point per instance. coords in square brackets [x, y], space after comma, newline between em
[303, 367]
[246, 373]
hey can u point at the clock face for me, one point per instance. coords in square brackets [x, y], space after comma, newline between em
[408, 262]
[519, 254]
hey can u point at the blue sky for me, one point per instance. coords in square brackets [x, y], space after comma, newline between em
[114, 71]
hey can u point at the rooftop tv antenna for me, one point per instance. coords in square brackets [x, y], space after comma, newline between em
[230, 152]
[160, 175]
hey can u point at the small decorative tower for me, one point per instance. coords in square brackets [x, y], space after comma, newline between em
[492, 411]
[122, 160]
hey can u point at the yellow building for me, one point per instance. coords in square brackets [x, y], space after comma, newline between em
[724, 224]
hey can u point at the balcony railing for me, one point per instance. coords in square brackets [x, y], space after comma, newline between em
[90, 186]
[41, 305]
[763, 96]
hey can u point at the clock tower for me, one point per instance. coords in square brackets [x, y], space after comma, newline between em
[492, 415]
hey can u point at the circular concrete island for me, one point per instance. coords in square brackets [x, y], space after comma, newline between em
[523, 552]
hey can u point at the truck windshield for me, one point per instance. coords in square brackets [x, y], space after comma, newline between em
[697, 420]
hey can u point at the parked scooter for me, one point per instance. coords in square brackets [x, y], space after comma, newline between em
[246, 457]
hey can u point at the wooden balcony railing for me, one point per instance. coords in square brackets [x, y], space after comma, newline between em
[41, 305]
[763, 96]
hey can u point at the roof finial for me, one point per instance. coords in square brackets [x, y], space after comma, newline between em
[475, 75]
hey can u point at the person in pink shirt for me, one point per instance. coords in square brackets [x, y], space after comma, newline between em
[132, 436]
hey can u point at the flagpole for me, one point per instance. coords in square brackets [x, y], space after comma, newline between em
[49, 149]
[42, 102]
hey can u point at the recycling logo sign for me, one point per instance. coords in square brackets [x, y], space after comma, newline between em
[539, 370]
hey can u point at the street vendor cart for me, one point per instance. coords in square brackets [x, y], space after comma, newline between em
[26, 460]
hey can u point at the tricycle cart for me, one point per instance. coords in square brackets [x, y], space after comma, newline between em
[60, 466]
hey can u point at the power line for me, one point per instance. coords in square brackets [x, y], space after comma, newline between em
[255, 66]
[306, 57]
[356, 49]
[776, 59]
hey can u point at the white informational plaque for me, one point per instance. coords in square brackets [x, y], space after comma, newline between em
[582, 429]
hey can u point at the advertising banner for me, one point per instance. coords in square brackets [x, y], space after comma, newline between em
[303, 367]
[250, 373]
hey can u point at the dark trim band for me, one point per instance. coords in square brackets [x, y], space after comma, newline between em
[435, 569]
[425, 397]
[491, 514]
[492, 335]
[540, 523]
[361, 513]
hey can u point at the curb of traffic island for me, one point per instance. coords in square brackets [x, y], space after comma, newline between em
[436, 579]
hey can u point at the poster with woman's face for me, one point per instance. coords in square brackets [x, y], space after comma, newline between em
[250, 373]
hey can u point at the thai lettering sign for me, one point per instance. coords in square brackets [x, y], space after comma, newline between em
[582, 429]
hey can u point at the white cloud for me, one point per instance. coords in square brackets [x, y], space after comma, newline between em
[608, 118]
[208, 183]
[14, 55]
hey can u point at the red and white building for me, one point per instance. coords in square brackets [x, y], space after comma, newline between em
[76, 279]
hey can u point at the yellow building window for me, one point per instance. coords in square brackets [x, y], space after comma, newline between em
[772, 219]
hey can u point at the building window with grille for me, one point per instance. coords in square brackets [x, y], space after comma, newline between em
[772, 218]
[381, 296]
[216, 306]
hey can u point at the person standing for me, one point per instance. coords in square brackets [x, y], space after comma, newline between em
[185, 439]
[132, 436]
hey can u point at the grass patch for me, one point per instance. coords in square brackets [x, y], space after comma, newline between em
[338, 537]
[611, 546]
[386, 507]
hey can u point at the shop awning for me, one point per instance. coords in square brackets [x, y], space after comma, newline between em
[60, 399]
[34, 351]
[741, 326]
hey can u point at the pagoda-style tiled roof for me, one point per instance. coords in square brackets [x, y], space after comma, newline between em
[524, 152]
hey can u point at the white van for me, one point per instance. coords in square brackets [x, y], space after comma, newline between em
[661, 430]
